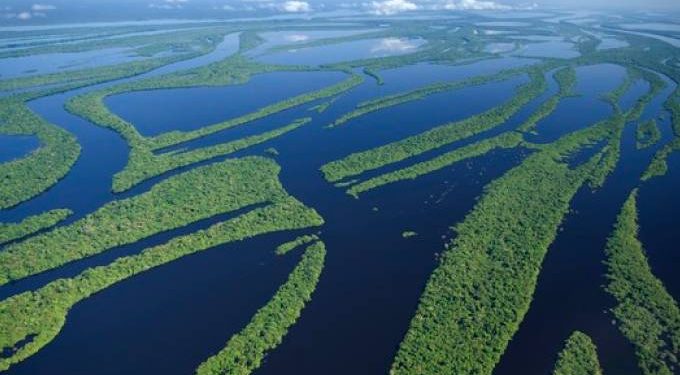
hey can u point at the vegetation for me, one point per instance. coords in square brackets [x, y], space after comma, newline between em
[195, 195]
[480, 292]
[656, 86]
[360, 162]
[143, 163]
[611, 150]
[477, 297]
[658, 166]
[375, 75]
[647, 134]
[234, 69]
[172, 138]
[614, 97]
[649, 317]
[286, 247]
[322, 107]
[566, 79]
[579, 357]
[10, 232]
[248, 40]
[421, 93]
[245, 350]
[40, 315]
[177, 41]
[186, 47]
[25, 178]
[28, 177]
[506, 140]
[143, 169]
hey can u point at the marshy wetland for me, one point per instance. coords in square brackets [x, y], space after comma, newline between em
[404, 195]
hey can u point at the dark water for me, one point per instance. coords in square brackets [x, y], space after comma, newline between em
[658, 206]
[15, 147]
[584, 109]
[236, 279]
[636, 91]
[569, 295]
[103, 153]
[160, 111]
[169, 319]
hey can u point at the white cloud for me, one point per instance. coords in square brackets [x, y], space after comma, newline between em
[393, 45]
[36, 10]
[169, 4]
[389, 7]
[296, 38]
[295, 6]
[42, 7]
[474, 5]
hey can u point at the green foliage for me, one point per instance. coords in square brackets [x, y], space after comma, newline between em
[421, 93]
[474, 301]
[144, 163]
[505, 140]
[647, 134]
[89, 76]
[656, 86]
[611, 151]
[360, 162]
[177, 41]
[42, 313]
[614, 97]
[140, 169]
[322, 107]
[649, 317]
[480, 292]
[195, 195]
[171, 138]
[245, 350]
[286, 247]
[658, 166]
[32, 224]
[579, 357]
[566, 79]
[30, 176]
[248, 40]
[186, 46]
[375, 75]
[231, 70]
[25, 178]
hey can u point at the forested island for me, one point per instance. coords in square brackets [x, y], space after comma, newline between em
[456, 191]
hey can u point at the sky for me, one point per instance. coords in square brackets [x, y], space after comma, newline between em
[45, 11]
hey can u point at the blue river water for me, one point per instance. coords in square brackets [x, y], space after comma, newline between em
[169, 319]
